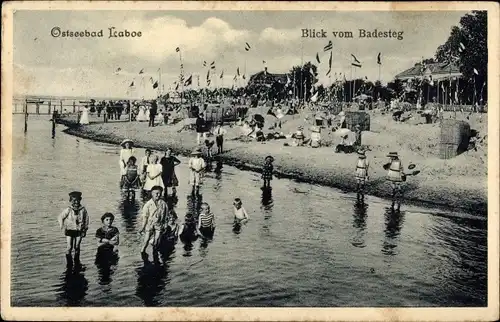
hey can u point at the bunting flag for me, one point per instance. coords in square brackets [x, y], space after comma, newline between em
[355, 59]
[238, 71]
[212, 65]
[461, 48]
[379, 61]
[131, 84]
[142, 71]
[189, 81]
[177, 87]
[264, 62]
[204, 63]
[329, 46]
[329, 64]
[247, 46]
[476, 72]
[208, 74]
[155, 85]
[221, 74]
[356, 65]
[208, 82]
[118, 69]
[317, 58]
[177, 49]
[244, 77]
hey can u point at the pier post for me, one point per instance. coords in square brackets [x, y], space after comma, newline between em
[37, 108]
[74, 107]
[50, 105]
[60, 103]
[25, 116]
[54, 116]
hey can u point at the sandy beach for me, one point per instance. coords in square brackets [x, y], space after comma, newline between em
[455, 183]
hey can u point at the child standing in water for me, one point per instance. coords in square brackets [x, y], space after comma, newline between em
[206, 221]
[108, 235]
[240, 214]
[154, 219]
[196, 167]
[395, 177]
[267, 171]
[130, 180]
[361, 172]
[75, 222]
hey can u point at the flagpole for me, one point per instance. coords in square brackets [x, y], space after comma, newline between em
[301, 71]
[159, 82]
[182, 75]
[379, 72]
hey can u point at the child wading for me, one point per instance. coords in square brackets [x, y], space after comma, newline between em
[267, 171]
[75, 222]
[362, 166]
[130, 180]
[206, 221]
[153, 174]
[240, 214]
[107, 237]
[168, 163]
[146, 160]
[196, 167]
[396, 176]
[154, 220]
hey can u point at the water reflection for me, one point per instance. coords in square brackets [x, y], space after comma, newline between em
[105, 261]
[359, 223]
[151, 280]
[73, 287]
[188, 234]
[393, 223]
[129, 211]
[266, 201]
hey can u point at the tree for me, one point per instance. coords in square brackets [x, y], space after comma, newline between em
[303, 79]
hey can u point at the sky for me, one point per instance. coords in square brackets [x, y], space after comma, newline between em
[47, 65]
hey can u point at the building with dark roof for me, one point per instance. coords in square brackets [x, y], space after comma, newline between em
[266, 78]
[438, 71]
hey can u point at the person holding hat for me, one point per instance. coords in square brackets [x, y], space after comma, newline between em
[154, 219]
[125, 153]
[395, 175]
[74, 220]
[196, 166]
[267, 171]
[362, 166]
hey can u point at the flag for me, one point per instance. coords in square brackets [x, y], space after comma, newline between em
[208, 74]
[311, 71]
[189, 81]
[476, 72]
[118, 69]
[177, 49]
[355, 59]
[247, 46]
[235, 78]
[317, 58]
[204, 63]
[244, 76]
[329, 46]
[378, 59]
[177, 87]
[314, 98]
[328, 72]
[264, 62]
[238, 71]
[330, 61]
[155, 85]
[151, 79]
[356, 65]
[208, 82]
[198, 77]
[142, 71]
[212, 65]
[132, 84]
[221, 74]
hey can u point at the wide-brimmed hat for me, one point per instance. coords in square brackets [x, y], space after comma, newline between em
[393, 155]
[300, 127]
[196, 151]
[269, 157]
[75, 194]
[126, 141]
[361, 154]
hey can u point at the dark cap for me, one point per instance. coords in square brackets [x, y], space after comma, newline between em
[159, 188]
[75, 194]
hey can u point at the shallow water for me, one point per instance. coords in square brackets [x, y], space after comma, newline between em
[305, 245]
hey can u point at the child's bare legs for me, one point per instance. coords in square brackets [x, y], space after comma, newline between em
[147, 237]
[69, 245]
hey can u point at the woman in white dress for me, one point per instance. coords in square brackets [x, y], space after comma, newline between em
[142, 114]
[153, 174]
[126, 152]
[84, 118]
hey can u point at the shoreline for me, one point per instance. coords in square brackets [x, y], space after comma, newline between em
[248, 157]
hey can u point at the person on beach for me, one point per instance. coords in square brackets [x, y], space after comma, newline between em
[75, 222]
[108, 236]
[152, 113]
[126, 152]
[84, 119]
[315, 141]
[362, 166]
[206, 222]
[200, 128]
[168, 163]
[267, 171]
[146, 160]
[395, 176]
[298, 137]
[196, 166]
[153, 175]
[219, 137]
[240, 214]
[154, 220]
[130, 180]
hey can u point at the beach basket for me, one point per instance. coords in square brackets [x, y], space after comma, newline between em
[357, 118]
[454, 138]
